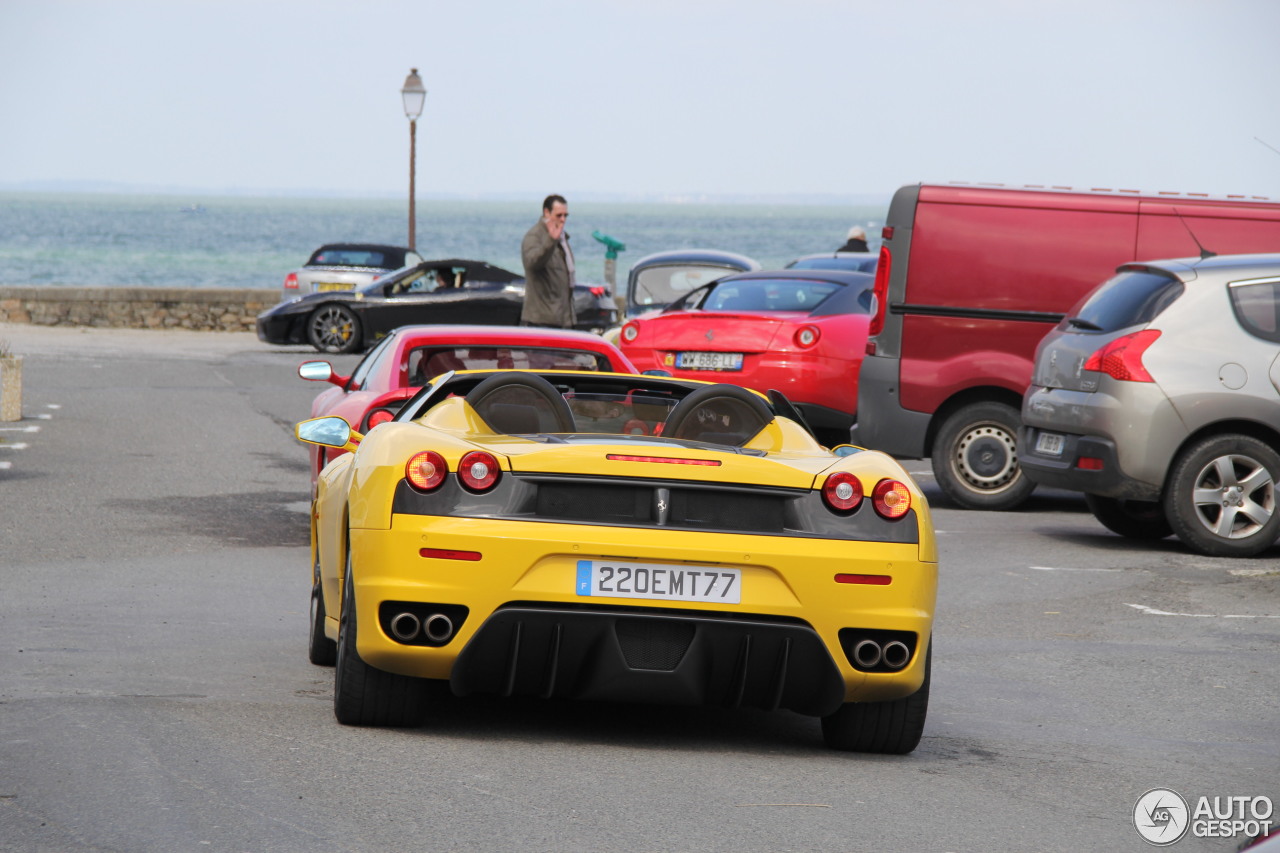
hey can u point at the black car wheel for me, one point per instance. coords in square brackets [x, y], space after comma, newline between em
[1221, 496]
[1132, 519]
[320, 649]
[893, 727]
[975, 457]
[362, 695]
[334, 328]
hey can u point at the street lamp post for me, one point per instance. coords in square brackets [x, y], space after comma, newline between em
[414, 95]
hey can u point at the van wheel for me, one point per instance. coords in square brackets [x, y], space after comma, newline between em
[975, 457]
[1221, 496]
[1133, 519]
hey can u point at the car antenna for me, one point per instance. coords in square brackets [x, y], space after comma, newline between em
[1205, 254]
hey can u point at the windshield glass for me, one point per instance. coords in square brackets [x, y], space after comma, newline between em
[662, 285]
[426, 362]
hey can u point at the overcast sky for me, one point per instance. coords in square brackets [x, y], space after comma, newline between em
[625, 97]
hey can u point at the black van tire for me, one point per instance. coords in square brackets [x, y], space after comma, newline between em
[975, 457]
[1131, 519]
[1200, 469]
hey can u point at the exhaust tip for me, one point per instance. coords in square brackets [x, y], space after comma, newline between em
[896, 654]
[438, 627]
[405, 627]
[866, 654]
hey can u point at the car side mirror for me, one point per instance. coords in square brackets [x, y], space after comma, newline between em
[322, 371]
[329, 432]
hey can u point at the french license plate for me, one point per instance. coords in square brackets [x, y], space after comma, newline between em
[660, 581]
[709, 360]
[322, 286]
[1050, 444]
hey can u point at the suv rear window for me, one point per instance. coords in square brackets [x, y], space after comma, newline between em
[1132, 298]
[1257, 307]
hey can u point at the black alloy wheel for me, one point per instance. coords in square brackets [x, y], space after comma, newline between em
[334, 328]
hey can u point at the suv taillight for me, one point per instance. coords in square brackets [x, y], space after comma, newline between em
[881, 291]
[1122, 358]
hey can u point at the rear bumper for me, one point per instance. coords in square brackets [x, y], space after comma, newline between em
[1062, 471]
[782, 646]
[883, 424]
[637, 656]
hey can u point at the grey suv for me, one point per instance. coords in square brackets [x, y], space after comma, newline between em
[1159, 398]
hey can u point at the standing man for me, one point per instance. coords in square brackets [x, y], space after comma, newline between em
[548, 269]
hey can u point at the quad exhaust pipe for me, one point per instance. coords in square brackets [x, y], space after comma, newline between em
[869, 654]
[407, 627]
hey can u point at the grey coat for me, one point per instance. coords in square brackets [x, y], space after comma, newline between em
[548, 290]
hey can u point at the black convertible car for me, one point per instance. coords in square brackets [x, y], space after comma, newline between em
[446, 291]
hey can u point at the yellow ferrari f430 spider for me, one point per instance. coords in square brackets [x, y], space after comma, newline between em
[624, 538]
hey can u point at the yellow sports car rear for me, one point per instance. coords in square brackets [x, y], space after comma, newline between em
[623, 538]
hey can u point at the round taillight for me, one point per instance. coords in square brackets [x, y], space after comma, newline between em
[807, 336]
[842, 491]
[378, 416]
[479, 471]
[425, 471]
[891, 499]
[630, 332]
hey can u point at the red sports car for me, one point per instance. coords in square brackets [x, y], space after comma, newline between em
[801, 332]
[400, 364]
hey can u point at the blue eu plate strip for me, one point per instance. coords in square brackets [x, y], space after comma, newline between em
[584, 577]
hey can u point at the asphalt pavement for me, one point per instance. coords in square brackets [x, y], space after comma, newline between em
[155, 693]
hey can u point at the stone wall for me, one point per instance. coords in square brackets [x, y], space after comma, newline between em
[211, 309]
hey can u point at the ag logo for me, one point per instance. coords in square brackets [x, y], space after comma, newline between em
[1161, 816]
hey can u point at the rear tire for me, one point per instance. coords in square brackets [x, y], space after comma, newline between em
[975, 457]
[320, 649]
[334, 328]
[1131, 519]
[893, 727]
[1221, 496]
[362, 695]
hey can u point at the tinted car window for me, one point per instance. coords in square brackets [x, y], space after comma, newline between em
[426, 362]
[1257, 307]
[768, 294]
[1130, 299]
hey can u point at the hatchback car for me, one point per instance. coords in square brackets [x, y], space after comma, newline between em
[1159, 398]
[346, 266]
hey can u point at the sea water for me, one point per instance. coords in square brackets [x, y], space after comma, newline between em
[95, 240]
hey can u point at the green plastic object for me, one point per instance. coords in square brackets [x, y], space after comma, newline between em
[612, 246]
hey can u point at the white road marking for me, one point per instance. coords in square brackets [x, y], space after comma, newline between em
[1153, 612]
[1065, 569]
[21, 445]
[32, 428]
[5, 465]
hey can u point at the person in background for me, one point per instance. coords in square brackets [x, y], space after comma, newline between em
[548, 269]
[857, 241]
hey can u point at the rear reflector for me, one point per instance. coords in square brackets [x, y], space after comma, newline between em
[1089, 463]
[873, 580]
[449, 554]
[618, 457]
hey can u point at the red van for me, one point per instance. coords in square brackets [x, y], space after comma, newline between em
[972, 277]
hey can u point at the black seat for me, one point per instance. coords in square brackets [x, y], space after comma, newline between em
[520, 404]
[718, 414]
